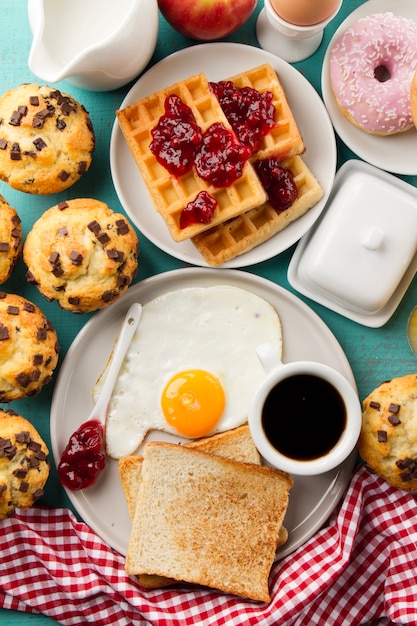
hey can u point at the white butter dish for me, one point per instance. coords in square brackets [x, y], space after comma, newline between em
[361, 255]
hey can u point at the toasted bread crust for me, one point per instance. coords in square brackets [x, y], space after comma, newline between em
[210, 520]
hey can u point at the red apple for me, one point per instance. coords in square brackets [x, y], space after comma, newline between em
[206, 20]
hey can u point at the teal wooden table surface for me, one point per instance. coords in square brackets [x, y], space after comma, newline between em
[375, 354]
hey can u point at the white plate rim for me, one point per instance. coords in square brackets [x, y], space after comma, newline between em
[201, 57]
[67, 412]
[396, 153]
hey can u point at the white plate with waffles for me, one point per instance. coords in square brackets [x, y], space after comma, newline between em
[305, 336]
[396, 153]
[219, 61]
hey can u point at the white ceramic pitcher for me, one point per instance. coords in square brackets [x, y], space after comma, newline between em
[94, 44]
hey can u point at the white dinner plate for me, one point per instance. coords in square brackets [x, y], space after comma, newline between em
[396, 153]
[219, 61]
[305, 336]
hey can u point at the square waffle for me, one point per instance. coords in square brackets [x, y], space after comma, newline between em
[284, 139]
[170, 194]
[242, 233]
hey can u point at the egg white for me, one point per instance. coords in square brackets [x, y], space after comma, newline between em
[216, 329]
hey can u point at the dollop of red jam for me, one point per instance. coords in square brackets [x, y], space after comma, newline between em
[221, 159]
[84, 457]
[177, 137]
[219, 155]
[199, 211]
[278, 183]
[250, 113]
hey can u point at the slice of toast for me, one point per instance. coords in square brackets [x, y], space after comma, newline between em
[235, 444]
[207, 520]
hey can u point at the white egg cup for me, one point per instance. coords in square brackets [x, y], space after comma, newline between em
[288, 41]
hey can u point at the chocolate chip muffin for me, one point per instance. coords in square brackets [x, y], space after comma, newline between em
[10, 239]
[24, 466]
[46, 139]
[81, 254]
[388, 441]
[29, 348]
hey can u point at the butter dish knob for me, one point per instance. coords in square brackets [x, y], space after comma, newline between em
[373, 238]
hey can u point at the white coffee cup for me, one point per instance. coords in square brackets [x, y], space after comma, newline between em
[305, 417]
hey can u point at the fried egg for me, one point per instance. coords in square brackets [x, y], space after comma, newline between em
[191, 368]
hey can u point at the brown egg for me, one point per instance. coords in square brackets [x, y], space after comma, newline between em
[304, 12]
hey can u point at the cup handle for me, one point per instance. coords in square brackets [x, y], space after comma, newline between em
[268, 357]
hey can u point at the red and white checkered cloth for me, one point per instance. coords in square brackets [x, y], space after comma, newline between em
[360, 568]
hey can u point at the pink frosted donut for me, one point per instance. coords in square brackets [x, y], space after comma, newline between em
[372, 65]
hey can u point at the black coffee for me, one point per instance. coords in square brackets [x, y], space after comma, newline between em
[304, 417]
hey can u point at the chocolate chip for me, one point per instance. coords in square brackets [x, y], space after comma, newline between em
[23, 437]
[394, 408]
[54, 258]
[63, 205]
[67, 106]
[103, 238]
[394, 419]
[106, 296]
[13, 310]
[15, 153]
[41, 334]
[20, 473]
[38, 494]
[60, 124]
[40, 117]
[24, 487]
[30, 278]
[37, 359]
[63, 175]
[4, 332]
[29, 307]
[57, 271]
[82, 167]
[4, 246]
[76, 257]
[94, 226]
[7, 449]
[16, 220]
[382, 436]
[34, 101]
[35, 375]
[73, 300]
[122, 281]
[23, 379]
[39, 144]
[3, 144]
[116, 255]
[122, 227]
[18, 115]
[34, 462]
[35, 446]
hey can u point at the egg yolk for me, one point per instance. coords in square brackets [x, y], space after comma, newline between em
[193, 402]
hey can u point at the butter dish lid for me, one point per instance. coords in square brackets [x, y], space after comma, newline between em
[361, 255]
